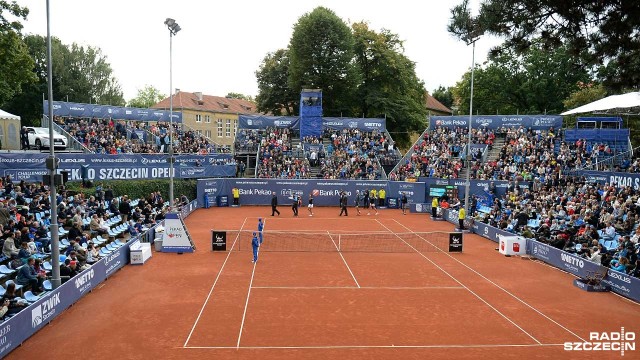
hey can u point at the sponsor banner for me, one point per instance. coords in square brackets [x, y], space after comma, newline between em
[476, 187]
[455, 242]
[70, 109]
[293, 122]
[20, 327]
[535, 122]
[260, 122]
[620, 283]
[419, 208]
[186, 210]
[326, 192]
[218, 240]
[415, 191]
[175, 237]
[310, 125]
[488, 231]
[617, 179]
[114, 167]
[355, 123]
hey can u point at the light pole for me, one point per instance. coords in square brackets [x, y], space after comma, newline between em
[471, 41]
[173, 27]
[52, 165]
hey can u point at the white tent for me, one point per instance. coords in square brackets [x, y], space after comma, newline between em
[6, 115]
[624, 101]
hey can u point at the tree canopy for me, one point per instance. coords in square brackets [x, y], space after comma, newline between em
[533, 82]
[361, 73]
[80, 74]
[274, 94]
[320, 57]
[602, 34]
[146, 97]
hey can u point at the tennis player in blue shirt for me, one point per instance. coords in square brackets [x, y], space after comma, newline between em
[256, 244]
[260, 227]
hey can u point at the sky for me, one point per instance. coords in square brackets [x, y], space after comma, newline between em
[222, 44]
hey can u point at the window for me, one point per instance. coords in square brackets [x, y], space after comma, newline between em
[228, 129]
[207, 133]
[207, 119]
[198, 118]
[219, 127]
[235, 127]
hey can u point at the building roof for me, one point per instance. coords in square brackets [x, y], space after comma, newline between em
[435, 105]
[217, 104]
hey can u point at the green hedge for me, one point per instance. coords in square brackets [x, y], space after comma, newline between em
[141, 188]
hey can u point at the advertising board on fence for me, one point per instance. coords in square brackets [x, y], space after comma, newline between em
[34, 317]
[71, 109]
[535, 122]
[620, 283]
[327, 192]
[618, 179]
[113, 167]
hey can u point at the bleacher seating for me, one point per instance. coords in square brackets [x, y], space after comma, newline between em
[20, 216]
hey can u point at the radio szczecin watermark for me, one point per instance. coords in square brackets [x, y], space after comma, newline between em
[605, 341]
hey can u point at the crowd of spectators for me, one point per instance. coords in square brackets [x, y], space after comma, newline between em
[25, 236]
[276, 158]
[597, 221]
[438, 153]
[108, 136]
[353, 154]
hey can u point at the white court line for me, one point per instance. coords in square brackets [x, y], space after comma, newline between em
[461, 284]
[378, 346]
[345, 261]
[214, 285]
[499, 287]
[246, 304]
[362, 287]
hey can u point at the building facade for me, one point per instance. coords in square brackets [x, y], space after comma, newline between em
[214, 117]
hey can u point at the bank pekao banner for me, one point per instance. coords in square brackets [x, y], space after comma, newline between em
[535, 122]
[326, 192]
[617, 179]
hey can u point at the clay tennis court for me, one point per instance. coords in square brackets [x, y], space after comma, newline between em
[330, 304]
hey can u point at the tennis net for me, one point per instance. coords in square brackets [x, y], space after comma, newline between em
[343, 242]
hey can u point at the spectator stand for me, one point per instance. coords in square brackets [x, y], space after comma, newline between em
[72, 142]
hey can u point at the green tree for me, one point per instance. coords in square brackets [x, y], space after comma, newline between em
[15, 62]
[586, 93]
[600, 33]
[147, 97]
[536, 81]
[444, 95]
[79, 75]
[15, 66]
[14, 10]
[389, 85]
[87, 77]
[274, 94]
[235, 95]
[321, 54]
